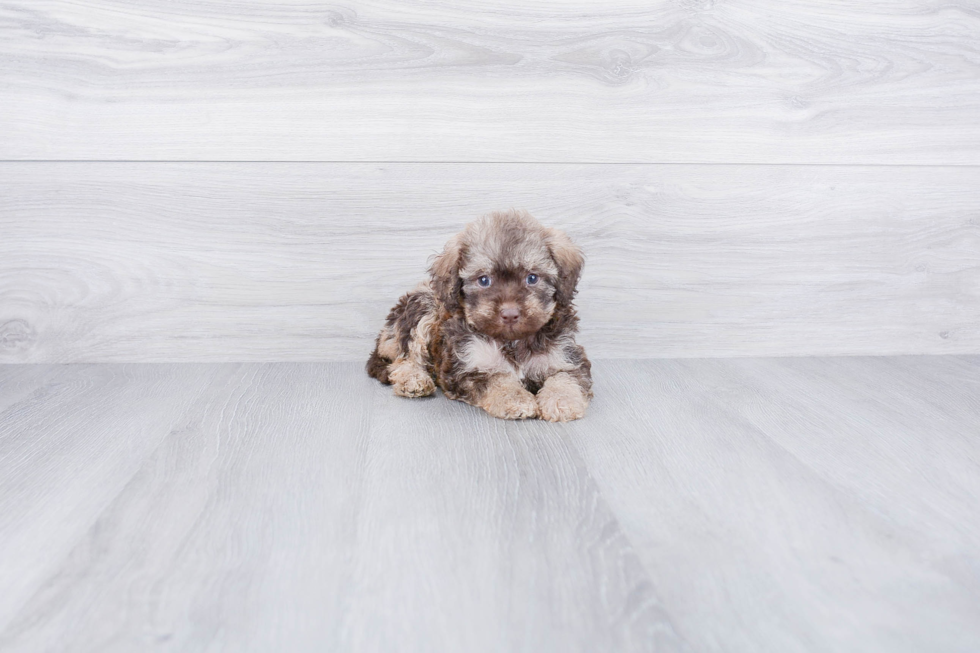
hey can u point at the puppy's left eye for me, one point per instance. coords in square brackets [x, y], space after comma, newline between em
[532, 279]
[484, 281]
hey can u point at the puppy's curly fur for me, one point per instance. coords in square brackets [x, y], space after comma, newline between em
[494, 325]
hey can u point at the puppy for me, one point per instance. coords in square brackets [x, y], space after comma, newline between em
[494, 325]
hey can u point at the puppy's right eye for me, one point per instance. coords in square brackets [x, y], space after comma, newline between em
[484, 281]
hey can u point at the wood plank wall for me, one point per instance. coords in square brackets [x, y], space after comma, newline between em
[200, 180]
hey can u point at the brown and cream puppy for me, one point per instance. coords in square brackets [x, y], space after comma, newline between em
[494, 325]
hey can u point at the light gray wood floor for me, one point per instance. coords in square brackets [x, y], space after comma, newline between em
[809, 504]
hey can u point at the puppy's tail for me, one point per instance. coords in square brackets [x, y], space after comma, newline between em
[377, 367]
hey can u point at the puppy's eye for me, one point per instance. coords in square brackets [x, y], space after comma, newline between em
[484, 281]
[532, 279]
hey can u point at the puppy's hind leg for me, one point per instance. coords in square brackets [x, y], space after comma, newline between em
[407, 345]
[408, 376]
[409, 373]
[409, 379]
[385, 351]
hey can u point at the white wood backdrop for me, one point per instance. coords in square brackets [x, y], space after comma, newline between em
[794, 81]
[301, 261]
[319, 153]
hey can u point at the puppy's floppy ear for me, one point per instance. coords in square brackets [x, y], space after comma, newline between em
[568, 257]
[445, 273]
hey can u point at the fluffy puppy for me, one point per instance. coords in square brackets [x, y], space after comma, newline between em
[494, 324]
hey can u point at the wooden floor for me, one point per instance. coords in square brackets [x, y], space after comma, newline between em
[807, 504]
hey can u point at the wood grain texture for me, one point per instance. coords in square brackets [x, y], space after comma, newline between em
[482, 534]
[265, 262]
[71, 438]
[877, 81]
[803, 504]
[231, 534]
[305, 508]
[812, 504]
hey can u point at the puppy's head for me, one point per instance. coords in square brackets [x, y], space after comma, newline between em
[507, 274]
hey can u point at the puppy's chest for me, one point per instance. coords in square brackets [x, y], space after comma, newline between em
[491, 357]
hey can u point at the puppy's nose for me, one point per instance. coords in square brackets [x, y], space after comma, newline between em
[510, 314]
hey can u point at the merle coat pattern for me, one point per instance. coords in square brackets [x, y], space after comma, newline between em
[494, 325]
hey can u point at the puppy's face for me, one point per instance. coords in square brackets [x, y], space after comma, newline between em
[508, 302]
[507, 274]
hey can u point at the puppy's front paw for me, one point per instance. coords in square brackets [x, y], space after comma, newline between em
[509, 402]
[561, 399]
[410, 380]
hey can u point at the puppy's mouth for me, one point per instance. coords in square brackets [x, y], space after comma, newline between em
[512, 331]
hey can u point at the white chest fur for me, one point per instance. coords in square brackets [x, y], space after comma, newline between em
[487, 356]
[479, 355]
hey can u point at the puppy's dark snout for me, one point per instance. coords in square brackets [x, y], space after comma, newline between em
[510, 314]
